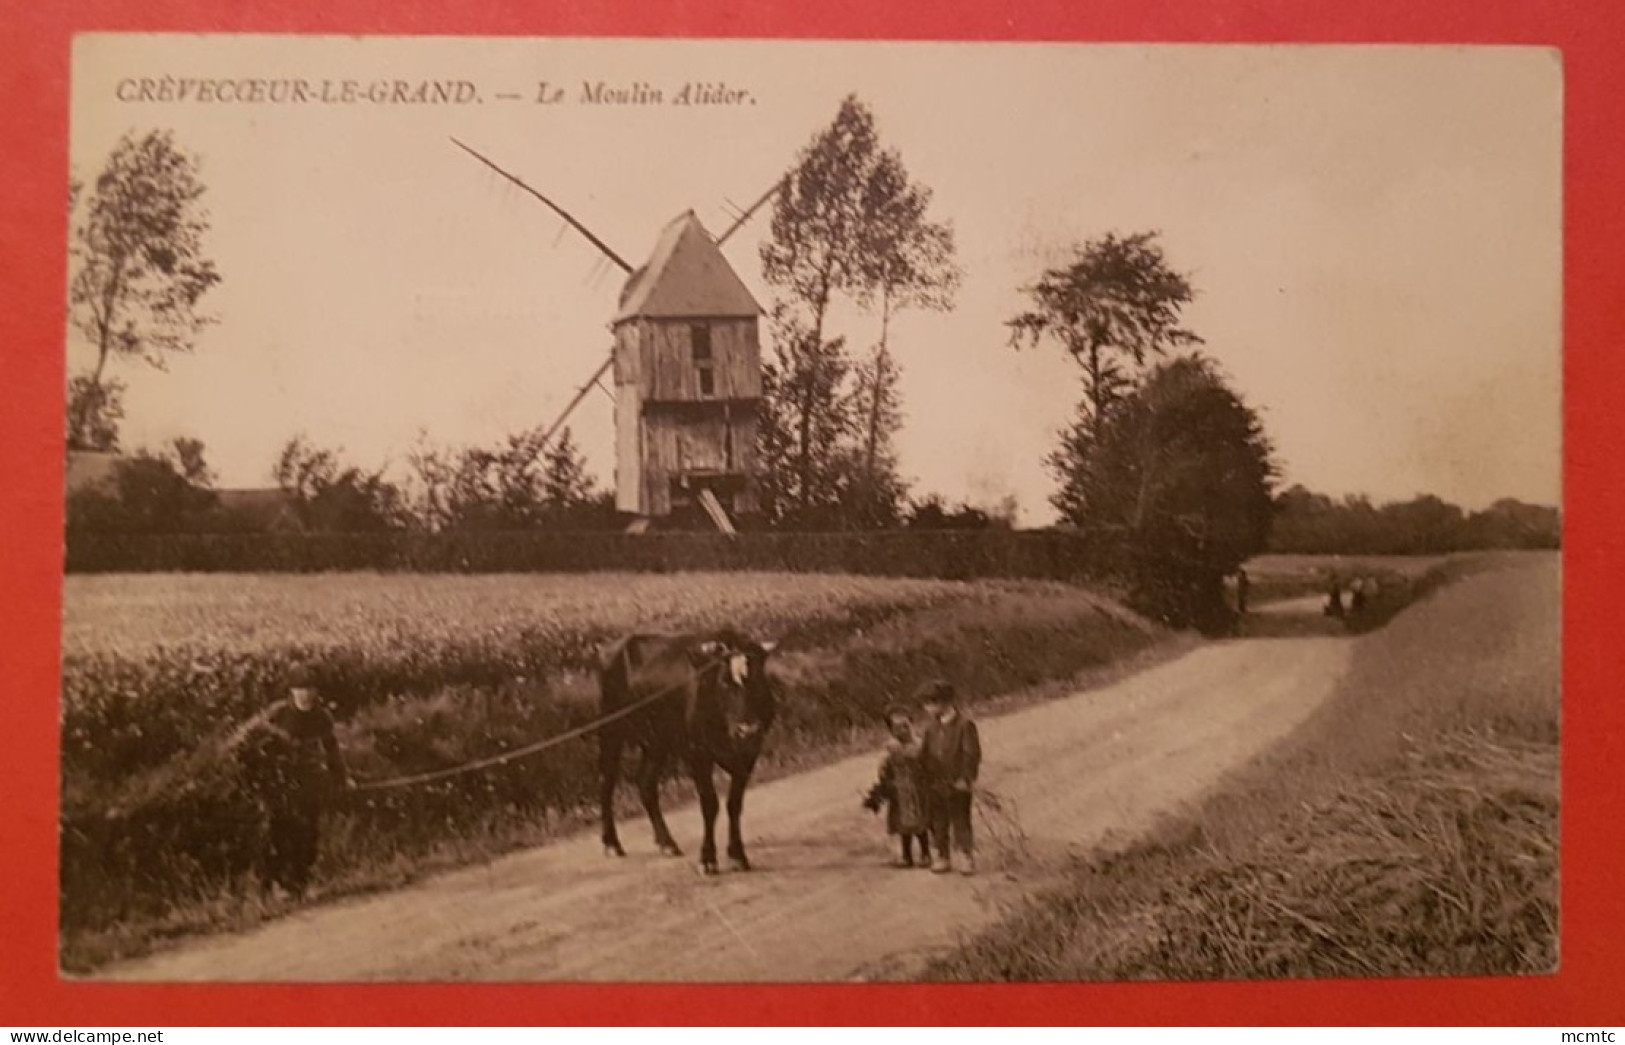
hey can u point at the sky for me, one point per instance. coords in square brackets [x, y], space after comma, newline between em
[1374, 234]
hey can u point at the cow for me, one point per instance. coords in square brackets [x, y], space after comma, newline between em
[709, 704]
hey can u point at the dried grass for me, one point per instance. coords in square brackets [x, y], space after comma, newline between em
[1409, 828]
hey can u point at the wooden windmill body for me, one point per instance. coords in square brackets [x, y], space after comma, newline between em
[688, 382]
[688, 374]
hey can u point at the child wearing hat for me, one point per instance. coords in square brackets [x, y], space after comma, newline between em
[952, 752]
[901, 789]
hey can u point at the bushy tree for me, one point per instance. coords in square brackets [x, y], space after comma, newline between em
[332, 497]
[934, 513]
[565, 483]
[1182, 472]
[151, 493]
[806, 425]
[521, 483]
[1115, 305]
[137, 270]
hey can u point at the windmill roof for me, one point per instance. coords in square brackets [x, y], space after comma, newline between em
[685, 276]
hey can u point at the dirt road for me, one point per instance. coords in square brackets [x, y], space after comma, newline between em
[822, 903]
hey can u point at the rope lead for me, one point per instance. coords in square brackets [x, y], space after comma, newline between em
[530, 749]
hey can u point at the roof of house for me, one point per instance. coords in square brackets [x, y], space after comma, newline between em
[91, 470]
[685, 276]
[273, 497]
[273, 508]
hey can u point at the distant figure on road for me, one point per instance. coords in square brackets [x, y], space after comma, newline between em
[953, 757]
[1356, 596]
[901, 789]
[1241, 591]
[1334, 598]
[295, 769]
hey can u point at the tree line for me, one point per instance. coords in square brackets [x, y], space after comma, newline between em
[1308, 522]
[518, 483]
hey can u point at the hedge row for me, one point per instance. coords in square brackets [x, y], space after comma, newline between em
[951, 554]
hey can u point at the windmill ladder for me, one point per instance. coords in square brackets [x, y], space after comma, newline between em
[714, 509]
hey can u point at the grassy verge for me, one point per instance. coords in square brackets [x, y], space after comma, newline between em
[184, 865]
[1409, 828]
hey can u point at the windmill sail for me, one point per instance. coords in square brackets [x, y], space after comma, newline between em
[751, 210]
[554, 207]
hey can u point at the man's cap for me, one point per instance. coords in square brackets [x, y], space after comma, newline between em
[937, 691]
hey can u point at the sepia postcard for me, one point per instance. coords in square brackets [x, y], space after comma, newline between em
[631, 510]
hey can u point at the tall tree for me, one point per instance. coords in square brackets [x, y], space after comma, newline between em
[875, 492]
[848, 221]
[814, 251]
[1113, 306]
[138, 266]
[1182, 471]
[907, 262]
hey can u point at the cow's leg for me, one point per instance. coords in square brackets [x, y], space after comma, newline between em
[609, 775]
[736, 807]
[650, 769]
[701, 770]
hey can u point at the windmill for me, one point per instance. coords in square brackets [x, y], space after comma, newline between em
[687, 373]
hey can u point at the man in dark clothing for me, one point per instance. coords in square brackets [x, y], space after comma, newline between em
[295, 768]
[1334, 599]
[951, 759]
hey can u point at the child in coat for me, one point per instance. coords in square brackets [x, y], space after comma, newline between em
[951, 759]
[901, 789]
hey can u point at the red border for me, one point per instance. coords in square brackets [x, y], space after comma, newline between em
[33, 171]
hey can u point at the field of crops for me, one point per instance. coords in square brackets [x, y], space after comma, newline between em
[136, 614]
[429, 671]
[152, 663]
